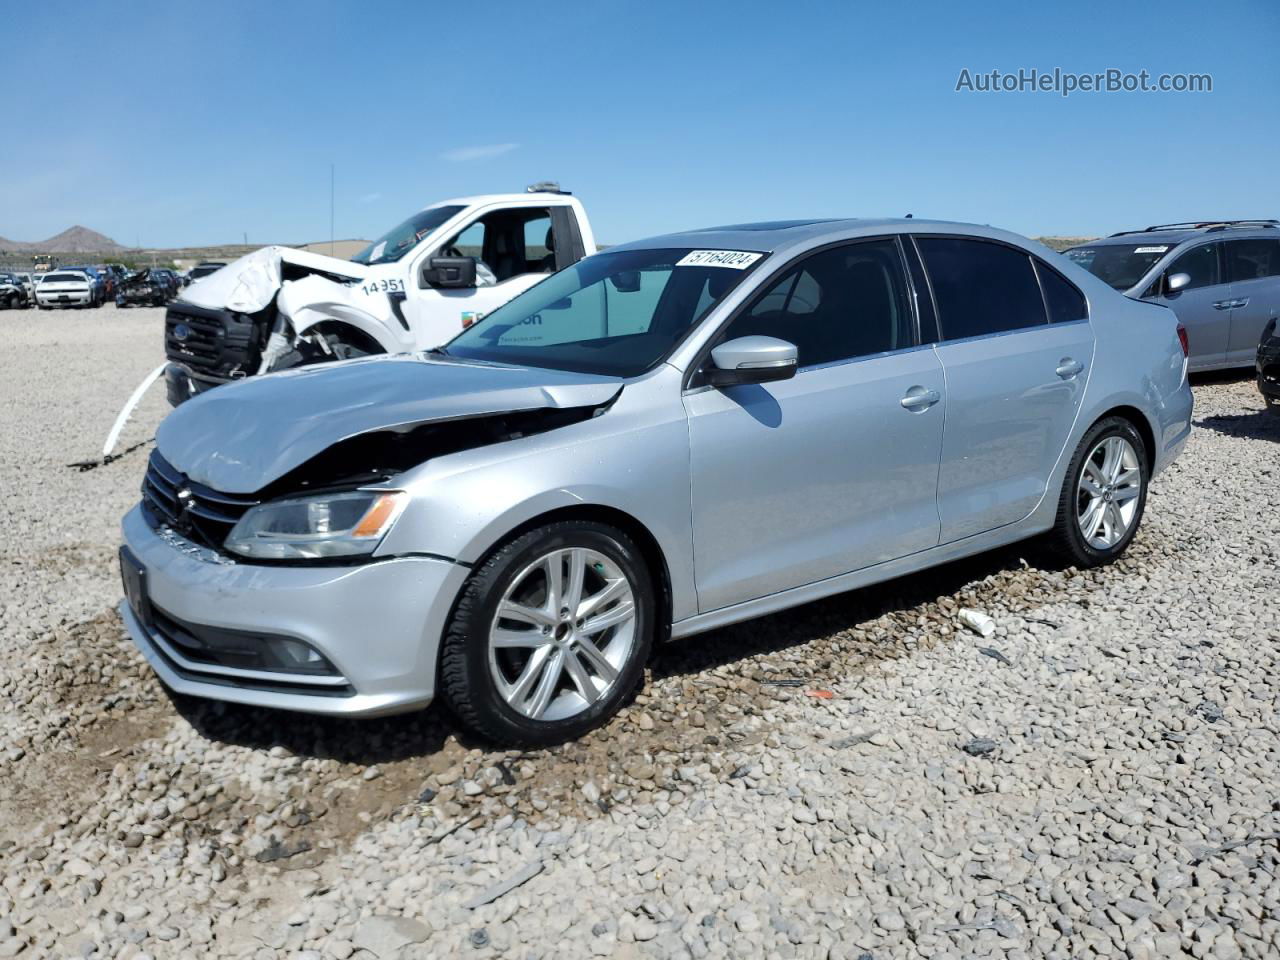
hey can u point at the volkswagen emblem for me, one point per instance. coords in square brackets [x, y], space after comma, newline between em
[181, 332]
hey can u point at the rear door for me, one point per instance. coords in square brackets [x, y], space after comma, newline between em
[1014, 380]
[1253, 269]
[1204, 306]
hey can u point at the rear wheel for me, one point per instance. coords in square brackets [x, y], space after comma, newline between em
[550, 636]
[1103, 495]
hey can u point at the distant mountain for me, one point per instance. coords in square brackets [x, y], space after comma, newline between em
[75, 239]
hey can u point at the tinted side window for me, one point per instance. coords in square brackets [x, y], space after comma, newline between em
[1064, 301]
[1251, 259]
[1200, 263]
[849, 301]
[981, 287]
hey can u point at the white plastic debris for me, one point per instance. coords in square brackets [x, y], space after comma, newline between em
[978, 622]
[123, 418]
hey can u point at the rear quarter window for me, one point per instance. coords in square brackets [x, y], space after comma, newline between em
[981, 287]
[1064, 302]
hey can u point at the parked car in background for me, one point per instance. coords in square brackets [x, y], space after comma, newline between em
[97, 279]
[145, 288]
[1222, 279]
[204, 269]
[169, 278]
[1268, 366]
[66, 288]
[13, 294]
[664, 438]
[426, 279]
[28, 284]
[117, 274]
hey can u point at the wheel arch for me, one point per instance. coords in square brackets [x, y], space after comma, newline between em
[348, 333]
[650, 549]
[1140, 423]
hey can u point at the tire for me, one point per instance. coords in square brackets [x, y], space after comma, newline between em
[1115, 512]
[478, 654]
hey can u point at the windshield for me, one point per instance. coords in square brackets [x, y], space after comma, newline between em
[395, 243]
[1119, 264]
[615, 314]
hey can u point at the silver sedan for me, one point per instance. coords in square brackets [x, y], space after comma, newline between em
[667, 437]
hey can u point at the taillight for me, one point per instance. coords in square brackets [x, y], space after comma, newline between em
[1182, 339]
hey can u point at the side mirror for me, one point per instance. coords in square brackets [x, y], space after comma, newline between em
[754, 359]
[628, 281]
[1176, 281]
[448, 272]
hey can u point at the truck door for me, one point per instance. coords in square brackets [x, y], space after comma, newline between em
[514, 249]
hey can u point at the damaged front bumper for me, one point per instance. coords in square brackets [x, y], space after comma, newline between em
[376, 627]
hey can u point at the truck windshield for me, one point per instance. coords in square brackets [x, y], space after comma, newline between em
[1119, 264]
[395, 243]
[615, 314]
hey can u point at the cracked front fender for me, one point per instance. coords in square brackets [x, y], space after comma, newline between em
[314, 300]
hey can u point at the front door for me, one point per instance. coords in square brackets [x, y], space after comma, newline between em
[805, 479]
[1253, 267]
[1203, 306]
[1014, 380]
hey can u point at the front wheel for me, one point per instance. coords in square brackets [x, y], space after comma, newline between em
[1103, 496]
[307, 351]
[550, 635]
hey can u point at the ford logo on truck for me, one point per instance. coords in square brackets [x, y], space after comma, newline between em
[181, 332]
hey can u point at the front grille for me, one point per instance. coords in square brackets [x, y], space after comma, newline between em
[217, 342]
[193, 510]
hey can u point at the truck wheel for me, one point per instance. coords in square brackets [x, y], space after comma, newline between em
[341, 347]
[550, 635]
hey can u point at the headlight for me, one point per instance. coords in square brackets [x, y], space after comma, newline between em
[312, 528]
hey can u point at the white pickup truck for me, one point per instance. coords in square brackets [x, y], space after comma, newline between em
[415, 287]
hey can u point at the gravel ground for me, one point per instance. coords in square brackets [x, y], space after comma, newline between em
[858, 777]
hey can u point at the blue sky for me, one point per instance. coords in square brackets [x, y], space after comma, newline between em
[179, 123]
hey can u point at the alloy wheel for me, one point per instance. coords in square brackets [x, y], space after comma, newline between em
[1108, 492]
[562, 633]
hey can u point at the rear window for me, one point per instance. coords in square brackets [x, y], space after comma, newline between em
[980, 287]
[65, 278]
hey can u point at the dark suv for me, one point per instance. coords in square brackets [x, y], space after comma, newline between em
[1221, 277]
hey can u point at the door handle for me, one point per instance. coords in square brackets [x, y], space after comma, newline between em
[1242, 302]
[919, 399]
[1068, 368]
[1223, 304]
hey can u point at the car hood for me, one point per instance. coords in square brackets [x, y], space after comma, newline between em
[249, 284]
[240, 437]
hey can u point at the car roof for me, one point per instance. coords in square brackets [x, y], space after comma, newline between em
[780, 235]
[1173, 234]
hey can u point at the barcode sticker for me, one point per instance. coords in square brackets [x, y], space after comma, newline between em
[733, 259]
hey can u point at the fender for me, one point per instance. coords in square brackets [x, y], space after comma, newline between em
[313, 300]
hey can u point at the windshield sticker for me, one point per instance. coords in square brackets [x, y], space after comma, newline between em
[733, 259]
[377, 251]
[1151, 250]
